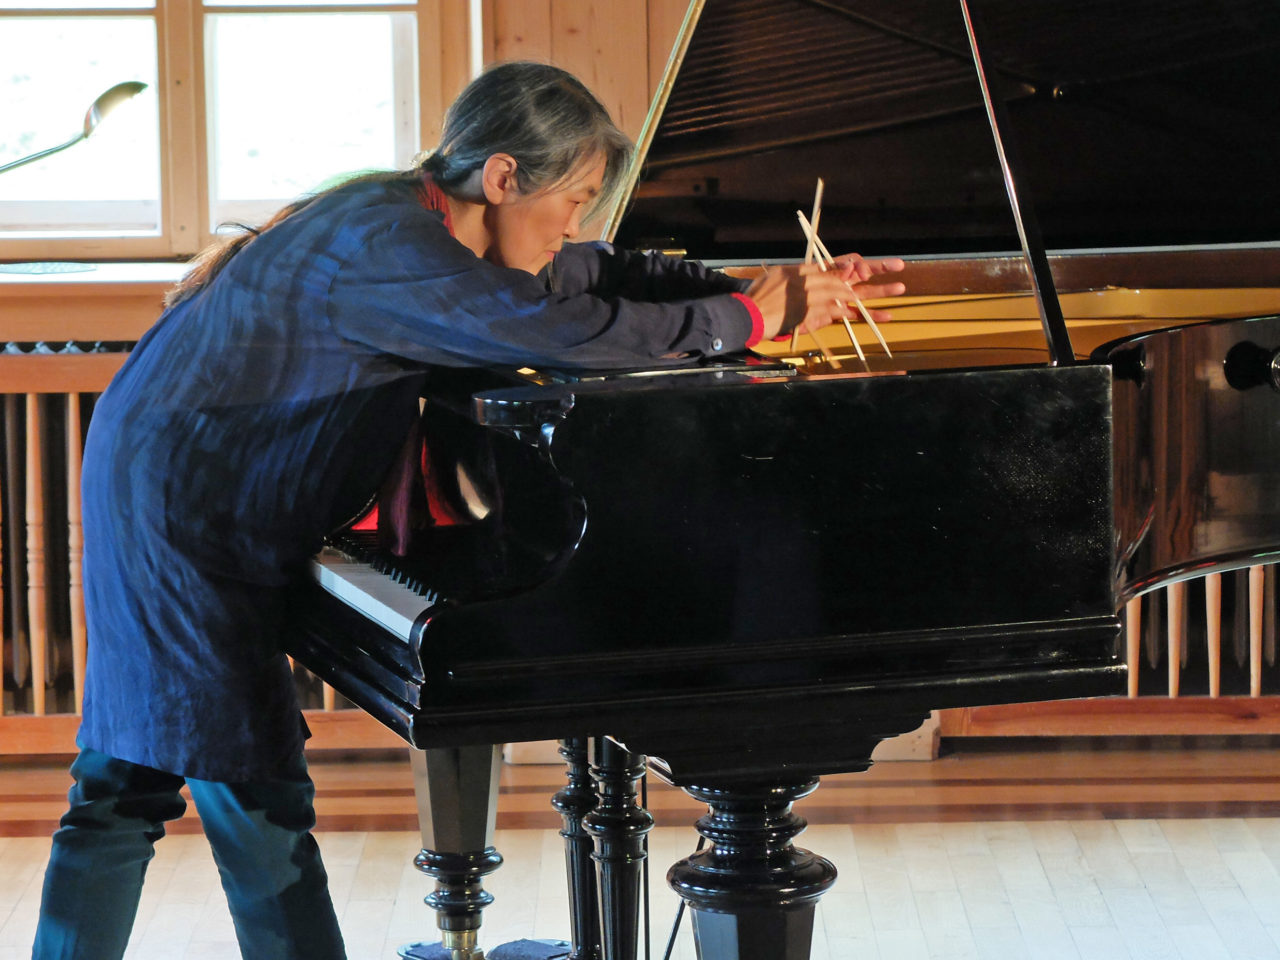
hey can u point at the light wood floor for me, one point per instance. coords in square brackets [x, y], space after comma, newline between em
[1044, 850]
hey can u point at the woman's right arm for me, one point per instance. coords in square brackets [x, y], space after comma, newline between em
[408, 289]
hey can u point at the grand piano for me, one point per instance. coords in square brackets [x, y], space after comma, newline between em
[750, 573]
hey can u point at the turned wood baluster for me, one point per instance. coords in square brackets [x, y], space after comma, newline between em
[38, 628]
[4, 483]
[75, 549]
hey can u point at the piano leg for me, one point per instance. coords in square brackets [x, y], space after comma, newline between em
[751, 893]
[574, 803]
[619, 826]
[457, 792]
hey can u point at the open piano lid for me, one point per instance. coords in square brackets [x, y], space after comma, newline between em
[1139, 123]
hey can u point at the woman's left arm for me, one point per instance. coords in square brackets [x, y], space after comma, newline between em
[601, 269]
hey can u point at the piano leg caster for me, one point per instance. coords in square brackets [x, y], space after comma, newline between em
[751, 893]
[450, 948]
[515, 950]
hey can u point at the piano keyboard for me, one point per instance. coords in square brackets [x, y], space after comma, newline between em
[399, 606]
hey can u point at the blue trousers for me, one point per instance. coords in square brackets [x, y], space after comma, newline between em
[260, 833]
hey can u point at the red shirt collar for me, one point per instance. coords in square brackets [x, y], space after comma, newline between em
[433, 198]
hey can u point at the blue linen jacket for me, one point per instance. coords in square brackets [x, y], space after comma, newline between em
[256, 416]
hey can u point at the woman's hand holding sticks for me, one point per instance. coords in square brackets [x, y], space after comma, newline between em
[798, 292]
[824, 258]
[816, 295]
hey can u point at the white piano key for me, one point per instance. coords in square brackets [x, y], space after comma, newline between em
[376, 595]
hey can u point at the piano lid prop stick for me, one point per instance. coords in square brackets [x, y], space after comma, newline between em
[804, 224]
[857, 301]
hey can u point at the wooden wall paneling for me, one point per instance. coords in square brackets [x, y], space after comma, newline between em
[444, 44]
[518, 30]
[606, 45]
[591, 40]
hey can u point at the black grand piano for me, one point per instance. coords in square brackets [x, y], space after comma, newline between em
[753, 572]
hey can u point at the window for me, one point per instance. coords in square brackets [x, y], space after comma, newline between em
[246, 106]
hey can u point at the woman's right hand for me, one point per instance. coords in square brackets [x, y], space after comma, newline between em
[806, 296]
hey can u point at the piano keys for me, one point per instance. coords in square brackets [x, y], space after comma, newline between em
[382, 597]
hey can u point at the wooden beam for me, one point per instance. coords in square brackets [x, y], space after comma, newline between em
[1142, 716]
[59, 372]
[56, 733]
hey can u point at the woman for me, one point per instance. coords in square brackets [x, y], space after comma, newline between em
[265, 406]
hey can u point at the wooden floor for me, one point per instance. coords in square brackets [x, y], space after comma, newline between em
[1071, 849]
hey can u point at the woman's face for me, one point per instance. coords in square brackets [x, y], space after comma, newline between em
[529, 229]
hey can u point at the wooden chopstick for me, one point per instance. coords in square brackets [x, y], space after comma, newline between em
[823, 252]
[810, 250]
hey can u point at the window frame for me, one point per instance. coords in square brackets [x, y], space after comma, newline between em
[443, 64]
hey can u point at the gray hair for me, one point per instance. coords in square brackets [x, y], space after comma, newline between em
[539, 114]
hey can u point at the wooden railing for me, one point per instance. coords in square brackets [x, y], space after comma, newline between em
[48, 386]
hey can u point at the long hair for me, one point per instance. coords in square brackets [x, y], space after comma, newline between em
[539, 114]
[544, 117]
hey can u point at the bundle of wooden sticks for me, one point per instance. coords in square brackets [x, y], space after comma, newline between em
[816, 251]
